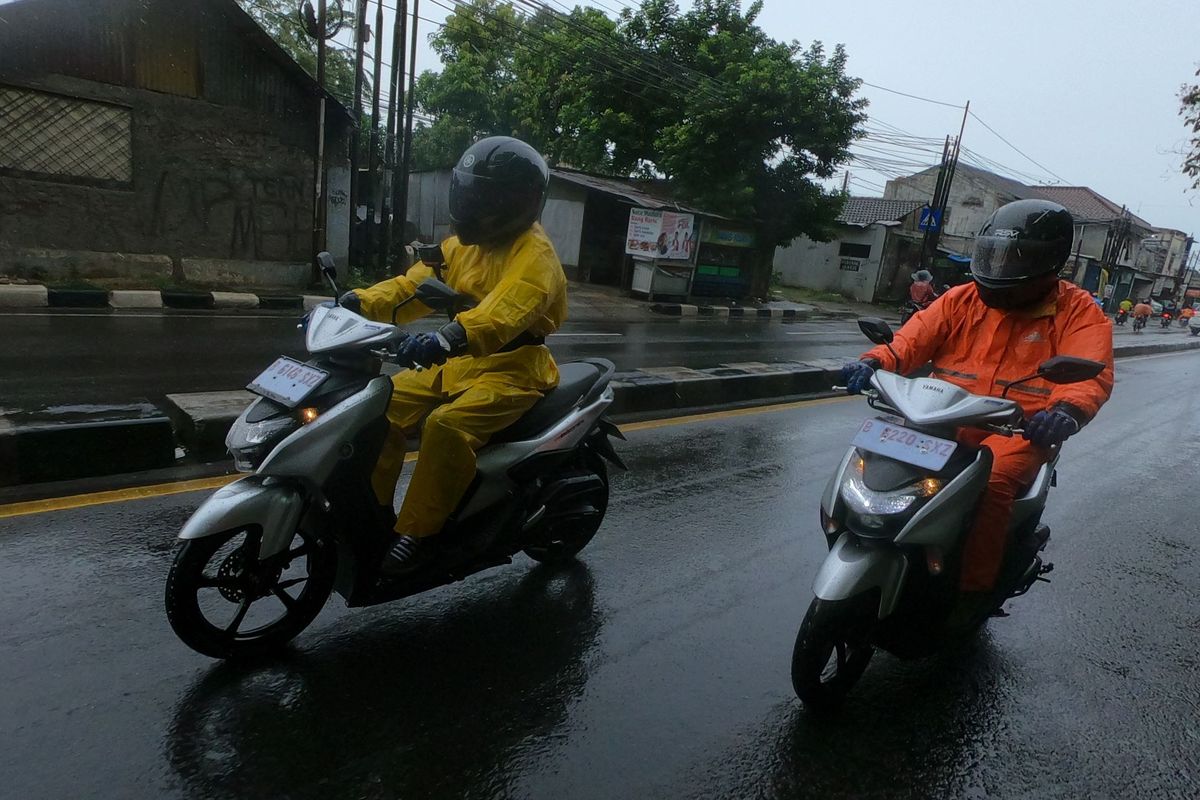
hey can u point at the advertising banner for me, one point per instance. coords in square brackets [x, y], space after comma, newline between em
[660, 234]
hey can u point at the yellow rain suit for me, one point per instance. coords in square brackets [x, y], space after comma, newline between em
[520, 288]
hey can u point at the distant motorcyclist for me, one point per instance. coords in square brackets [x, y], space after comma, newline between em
[922, 293]
[1142, 310]
[488, 366]
[984, 336]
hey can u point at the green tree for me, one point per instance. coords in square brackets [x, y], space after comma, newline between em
[1189, 108]
[283, 21]
[738, 123]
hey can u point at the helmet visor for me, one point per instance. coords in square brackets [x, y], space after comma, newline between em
[1007, 260]
[473, 197]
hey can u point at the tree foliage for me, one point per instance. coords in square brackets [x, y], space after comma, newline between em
[738, 123]
[1189, 108]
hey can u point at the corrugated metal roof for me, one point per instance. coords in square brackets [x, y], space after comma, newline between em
[628, 191]
[863, 211]
[1086, 205]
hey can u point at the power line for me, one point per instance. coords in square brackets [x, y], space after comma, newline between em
[1019, 150]
[913, 96]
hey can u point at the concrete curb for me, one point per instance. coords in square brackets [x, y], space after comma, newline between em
[39, 296]
[737, 312]
[23, 296]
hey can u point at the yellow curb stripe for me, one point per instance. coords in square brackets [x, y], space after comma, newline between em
[203, 484]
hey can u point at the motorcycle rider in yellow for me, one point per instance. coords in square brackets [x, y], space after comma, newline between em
[489, 365]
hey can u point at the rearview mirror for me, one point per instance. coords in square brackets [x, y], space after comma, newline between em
[325, 261]
[875, 329]
[436, 294]
[1069, 369]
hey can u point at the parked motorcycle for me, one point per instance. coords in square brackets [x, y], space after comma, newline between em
[895, 516]
[260, 557]
[1122, 316]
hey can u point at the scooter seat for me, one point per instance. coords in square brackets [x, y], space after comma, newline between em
[576, 379]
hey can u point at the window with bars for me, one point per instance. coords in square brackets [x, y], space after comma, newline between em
[53, 137]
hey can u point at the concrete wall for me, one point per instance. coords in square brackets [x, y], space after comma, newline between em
[817, 265]
[216, 144]
[429, 204]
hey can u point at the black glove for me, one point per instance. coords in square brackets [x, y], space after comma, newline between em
[857, 375]
[1051, 428]
[351, 302]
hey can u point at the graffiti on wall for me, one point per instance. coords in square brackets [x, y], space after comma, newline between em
[243, 214]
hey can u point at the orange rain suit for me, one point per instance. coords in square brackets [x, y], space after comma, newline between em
[984, 349]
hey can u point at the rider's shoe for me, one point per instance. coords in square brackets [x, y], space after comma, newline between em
[407, 555]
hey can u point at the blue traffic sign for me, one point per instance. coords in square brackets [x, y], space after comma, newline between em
[931, 219]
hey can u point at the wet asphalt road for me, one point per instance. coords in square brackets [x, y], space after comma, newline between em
[51, 359]
[655, 668]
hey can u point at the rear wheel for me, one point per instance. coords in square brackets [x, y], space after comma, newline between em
[224, 601]
[582, 516]
[831, 652]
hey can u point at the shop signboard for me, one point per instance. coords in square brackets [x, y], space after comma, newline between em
[667, 235]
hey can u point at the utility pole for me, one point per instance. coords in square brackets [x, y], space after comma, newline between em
[846, 183]
[402, 204]
[389, 161]
[373, 178]
[319, 211]
[399, 175]
[360, 43]
[942, 197]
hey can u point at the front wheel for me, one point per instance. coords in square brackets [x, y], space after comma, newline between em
[578, 523]
[831, 652]
[225, 602]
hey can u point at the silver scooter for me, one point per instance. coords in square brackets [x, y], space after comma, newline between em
[895, 516]
[259, 558]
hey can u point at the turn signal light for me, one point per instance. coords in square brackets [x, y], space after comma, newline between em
[308, 415]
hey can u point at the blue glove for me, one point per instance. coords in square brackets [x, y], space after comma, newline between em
[308, 317]
[423, 350]
[1051, 428]
[857, 375]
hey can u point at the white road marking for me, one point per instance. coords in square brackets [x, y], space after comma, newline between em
[587, 334]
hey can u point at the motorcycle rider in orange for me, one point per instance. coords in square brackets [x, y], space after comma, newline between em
[984, 336]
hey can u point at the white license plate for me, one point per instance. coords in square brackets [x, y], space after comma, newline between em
[287, 381]
[904, 444]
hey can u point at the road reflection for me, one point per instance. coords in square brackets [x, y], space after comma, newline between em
[440, 705]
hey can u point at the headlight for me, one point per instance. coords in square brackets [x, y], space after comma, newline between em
[249, 442]
[863, 500]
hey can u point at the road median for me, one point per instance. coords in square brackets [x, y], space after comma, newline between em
[191, 427]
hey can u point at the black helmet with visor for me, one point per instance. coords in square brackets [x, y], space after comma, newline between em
[1019, 251]
[497, 190]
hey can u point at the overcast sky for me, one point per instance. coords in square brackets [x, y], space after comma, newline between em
[1086, 88]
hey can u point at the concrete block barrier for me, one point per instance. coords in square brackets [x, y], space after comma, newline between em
[23, 296]
[183, 299]
[135, 298]
[234, 300]
[37, 451]
[78, 298]
[202, 419]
